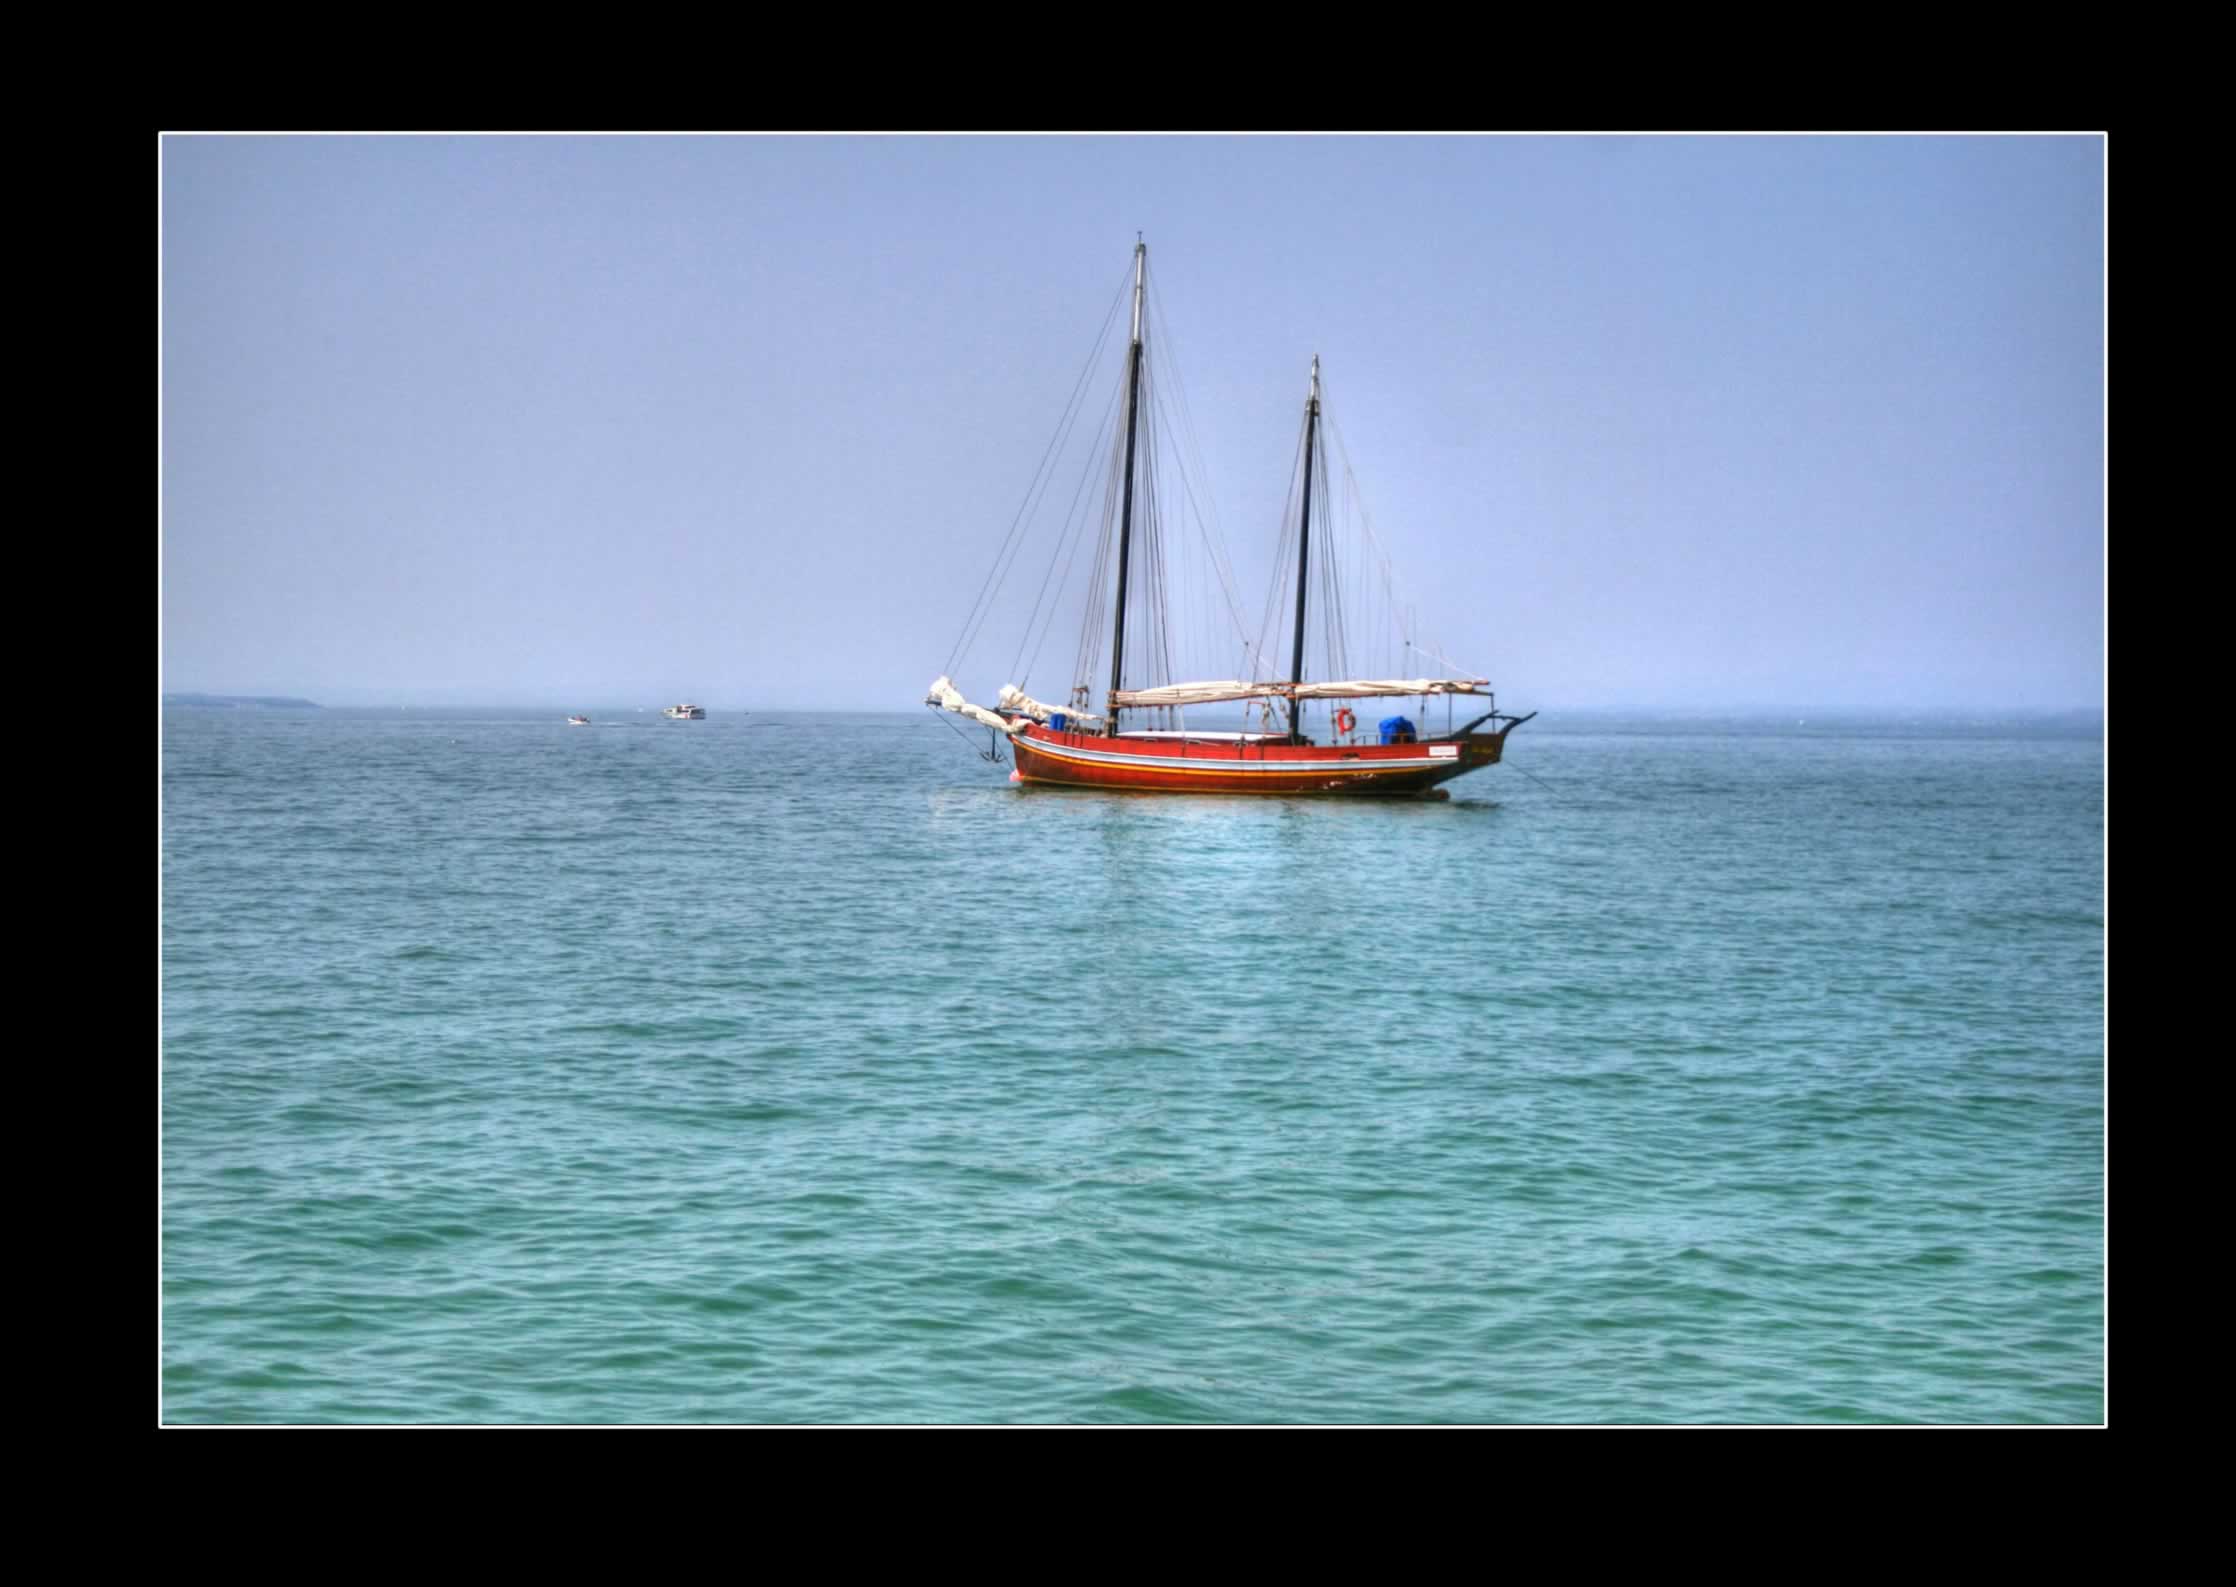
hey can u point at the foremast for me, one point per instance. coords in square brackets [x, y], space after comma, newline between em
[1304, 552]
[1126, 502]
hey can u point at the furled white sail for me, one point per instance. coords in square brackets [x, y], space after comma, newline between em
[1377, 688]
[1192, 694]
[944, 694]
[1013, 698]
[1354, 689]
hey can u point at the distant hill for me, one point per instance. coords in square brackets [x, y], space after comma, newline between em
[240, 702]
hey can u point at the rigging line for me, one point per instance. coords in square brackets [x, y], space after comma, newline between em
[1360, 574]
[1226, 589]
[1351, 479]
[1164, 566]
[1336, 636]
[1384, 624]
[1195, 510]
[1541, 782]
[1090, 653]
[1086, 663]
[1063, 534]
[1153, 568]
[1034, 501]
[957, 729]
[1068, 535]
[1396, 587]
[1363, 593]
[1185, 589]
[1319, 568]
[1077, 537]
[1152, 591]
[1062, 425]
[1193, 446]
[1160, 645]
[1276, 608]
[1438, 652]
[1089, 635]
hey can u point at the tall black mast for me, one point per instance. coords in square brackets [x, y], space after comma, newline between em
[1126, 507]
[1304, 550]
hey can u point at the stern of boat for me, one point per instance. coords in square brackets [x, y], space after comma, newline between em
[1488, 749]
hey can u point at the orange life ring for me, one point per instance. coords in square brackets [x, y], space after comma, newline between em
[1345, 721]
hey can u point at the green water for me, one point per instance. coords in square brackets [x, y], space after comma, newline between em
[794, 1070]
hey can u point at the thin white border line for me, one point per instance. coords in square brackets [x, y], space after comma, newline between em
[1089, 132]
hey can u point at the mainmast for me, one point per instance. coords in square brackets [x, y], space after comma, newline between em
[1304, 551]
[1126, 506]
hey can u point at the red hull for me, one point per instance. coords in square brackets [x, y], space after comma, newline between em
[1207, 765]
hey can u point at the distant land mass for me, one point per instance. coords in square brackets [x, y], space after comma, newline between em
[238, 702]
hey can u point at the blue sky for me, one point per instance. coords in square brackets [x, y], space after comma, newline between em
[1714, 422]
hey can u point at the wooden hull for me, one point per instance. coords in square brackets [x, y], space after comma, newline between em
[1198, 765]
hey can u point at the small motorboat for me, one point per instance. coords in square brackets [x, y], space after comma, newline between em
[578, 721]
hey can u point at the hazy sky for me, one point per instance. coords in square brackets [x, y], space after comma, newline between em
[1658, 422]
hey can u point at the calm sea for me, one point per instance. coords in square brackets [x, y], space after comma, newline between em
[790, 1069]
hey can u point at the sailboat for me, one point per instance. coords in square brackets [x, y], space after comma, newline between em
[1076, 747]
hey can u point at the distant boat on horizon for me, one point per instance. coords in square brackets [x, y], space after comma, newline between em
[578, 721]
[685, 713]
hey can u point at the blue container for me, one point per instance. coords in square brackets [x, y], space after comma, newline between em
[1397, 730]
[1056, 720]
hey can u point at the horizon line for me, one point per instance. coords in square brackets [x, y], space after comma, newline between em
[555, 702]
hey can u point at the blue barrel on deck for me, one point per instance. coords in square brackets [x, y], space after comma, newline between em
[1056, 720]
[1397, 730]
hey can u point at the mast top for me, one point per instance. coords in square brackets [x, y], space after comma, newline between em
[1141, 260]
[1315, 381]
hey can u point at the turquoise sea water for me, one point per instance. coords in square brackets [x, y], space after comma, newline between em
[794, 1069]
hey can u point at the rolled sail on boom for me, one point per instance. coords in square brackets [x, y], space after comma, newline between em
[1355, 689]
